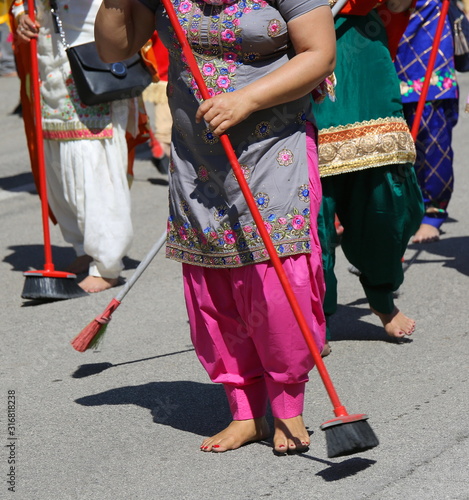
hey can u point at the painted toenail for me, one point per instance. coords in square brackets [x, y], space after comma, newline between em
[216, 446]
[281, 446]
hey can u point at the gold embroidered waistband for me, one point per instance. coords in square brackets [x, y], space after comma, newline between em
[75, 130]
[362, 145]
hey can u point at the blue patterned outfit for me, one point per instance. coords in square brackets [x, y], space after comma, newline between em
[434, 164]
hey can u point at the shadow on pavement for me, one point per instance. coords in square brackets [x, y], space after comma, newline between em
[347, 468]
[158, 182]
[95, 368]
[184, 405]
[25, 257]
[452, 250]
[346, 324]
[18, 183]
[189, 406]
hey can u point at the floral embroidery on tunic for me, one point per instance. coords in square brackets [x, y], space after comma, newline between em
[218, 46]
[73, 120]
[262, 200]
[238, 245]
[209, 137]
[303, 193]
[221, 232]
[263, 129]
[285, 157]
[274, 27]
[301, 118]
[185, 207]
[251, 56]
[246, 169]
[202, 173]
[219, 213]
[325, 89]
[172, 166]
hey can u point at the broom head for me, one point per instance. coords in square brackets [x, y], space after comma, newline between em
[92, 335]
[348, 434]
[51, 285]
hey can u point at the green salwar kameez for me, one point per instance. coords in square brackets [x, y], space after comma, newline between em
[366, 156]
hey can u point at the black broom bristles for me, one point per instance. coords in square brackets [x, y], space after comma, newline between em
[47, 288]
[348, 438]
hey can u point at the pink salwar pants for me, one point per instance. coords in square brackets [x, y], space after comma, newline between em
[244, 331]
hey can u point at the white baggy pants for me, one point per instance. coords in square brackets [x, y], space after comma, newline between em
[89, 194]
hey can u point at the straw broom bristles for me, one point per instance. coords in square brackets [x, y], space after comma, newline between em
[91, 336]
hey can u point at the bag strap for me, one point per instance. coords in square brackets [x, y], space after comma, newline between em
[58, 23]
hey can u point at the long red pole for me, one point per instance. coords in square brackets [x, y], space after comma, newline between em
[36, 97]
[428, 74]
[339, 409]
[49, 269]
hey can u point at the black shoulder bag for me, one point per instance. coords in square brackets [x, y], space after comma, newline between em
[98, 82]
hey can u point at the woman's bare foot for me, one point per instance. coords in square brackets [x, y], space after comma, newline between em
[426, 234]
[396, 324]
[290, 435]
[326, 350]
[79, 265]
[239, 432]
[94, 284]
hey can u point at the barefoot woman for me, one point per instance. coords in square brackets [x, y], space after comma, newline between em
[366, 156]
[260, 61]
[85, 146]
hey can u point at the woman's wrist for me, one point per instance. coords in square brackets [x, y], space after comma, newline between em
[18, 13]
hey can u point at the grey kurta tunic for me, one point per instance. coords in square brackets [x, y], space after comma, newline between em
[209, 223]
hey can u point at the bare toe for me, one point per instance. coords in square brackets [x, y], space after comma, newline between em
[326, 350]
[396, 324]
[426, 234]
[238, 433]
[290, 435]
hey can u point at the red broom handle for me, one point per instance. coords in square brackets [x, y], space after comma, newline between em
[428, 74]
[339, 409]
[36, 97]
